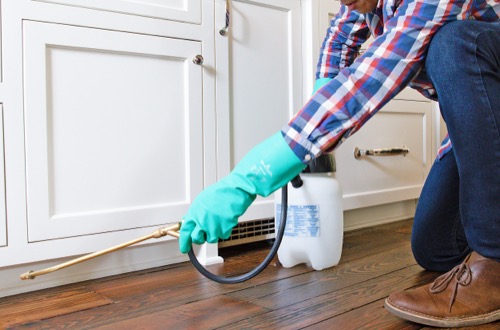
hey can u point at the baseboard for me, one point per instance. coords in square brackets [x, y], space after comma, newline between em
[378, 215]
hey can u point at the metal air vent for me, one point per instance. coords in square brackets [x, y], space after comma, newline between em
[250, 231]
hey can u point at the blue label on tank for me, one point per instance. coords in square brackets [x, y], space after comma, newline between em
[302, 220]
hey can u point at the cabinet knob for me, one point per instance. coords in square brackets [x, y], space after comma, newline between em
[198, 59]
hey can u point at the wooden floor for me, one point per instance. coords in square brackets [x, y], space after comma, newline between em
[375, 262]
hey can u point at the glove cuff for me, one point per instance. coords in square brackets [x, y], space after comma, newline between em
[320, 82]
[269, 166]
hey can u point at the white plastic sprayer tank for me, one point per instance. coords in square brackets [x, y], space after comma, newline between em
[315, 223]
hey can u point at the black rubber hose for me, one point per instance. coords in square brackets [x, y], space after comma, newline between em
[263, 264]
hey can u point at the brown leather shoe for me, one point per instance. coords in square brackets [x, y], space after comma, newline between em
[467, 295]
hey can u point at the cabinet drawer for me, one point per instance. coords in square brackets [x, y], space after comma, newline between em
[176, 10]
[113, 129]
[373, 180]
[3, 215]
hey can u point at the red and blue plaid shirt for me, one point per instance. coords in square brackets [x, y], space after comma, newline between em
[362, 85]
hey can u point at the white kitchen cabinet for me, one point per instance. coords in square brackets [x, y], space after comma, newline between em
[113, 126]
[259, 80]
[176, 10]
[1, 69]
[108, 116]
[3, 214]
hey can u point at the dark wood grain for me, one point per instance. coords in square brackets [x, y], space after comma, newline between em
[375, 262]
[328, 305]
[46, 307]
[203, 314]
[367, 317]
[309, 285]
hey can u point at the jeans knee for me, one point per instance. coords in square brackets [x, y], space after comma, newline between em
[422, 254]
[426, 258]
[431, 258]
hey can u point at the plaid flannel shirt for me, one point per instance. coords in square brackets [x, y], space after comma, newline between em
[362, 85]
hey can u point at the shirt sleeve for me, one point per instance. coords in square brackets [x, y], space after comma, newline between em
[343, 105]
[445, 147]
[347, 32]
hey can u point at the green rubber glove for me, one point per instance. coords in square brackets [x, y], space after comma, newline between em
[214, 213]
[320, 82]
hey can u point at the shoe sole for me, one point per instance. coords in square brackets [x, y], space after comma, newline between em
[441, 322]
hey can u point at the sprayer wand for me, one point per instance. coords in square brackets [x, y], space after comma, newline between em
[160, 232]
[173, 230]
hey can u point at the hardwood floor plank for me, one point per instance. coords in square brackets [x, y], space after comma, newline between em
[186, 277]
[48, 294]
[51, 306]
[368, 317]
[204, 314]
[160, 293]
[362, 243]
[147, 283]
[374, 316]
[325, 306]
[295, 289]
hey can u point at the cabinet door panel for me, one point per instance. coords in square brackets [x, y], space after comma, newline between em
[113, 129]
[3, 215]
[372, 180]
[261, 85]
[1, 43]
[177, 10]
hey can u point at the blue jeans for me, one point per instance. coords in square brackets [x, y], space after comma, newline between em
[459, 208]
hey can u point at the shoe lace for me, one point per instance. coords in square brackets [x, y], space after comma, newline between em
[463, 275]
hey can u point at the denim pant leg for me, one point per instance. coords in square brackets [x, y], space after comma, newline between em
[463, 63]
[438, 238]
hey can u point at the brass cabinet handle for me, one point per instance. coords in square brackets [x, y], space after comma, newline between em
[358, 153]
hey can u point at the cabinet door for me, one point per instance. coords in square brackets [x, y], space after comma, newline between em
[3, 216]
[177, 10]
[113, 129]
[259, 79]
[374, 180]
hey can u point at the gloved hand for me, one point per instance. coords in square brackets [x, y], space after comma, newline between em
[320, 82]
[214, 213]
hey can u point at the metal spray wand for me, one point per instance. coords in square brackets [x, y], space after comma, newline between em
[172, 230]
